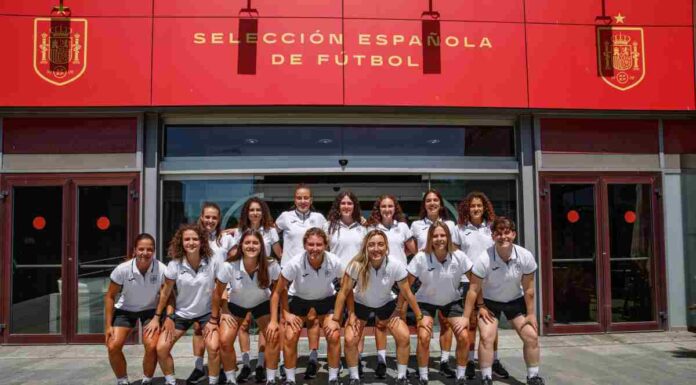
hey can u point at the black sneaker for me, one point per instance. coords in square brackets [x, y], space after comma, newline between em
[446, 371]
[536, 380]
[354, 381]
[196, 377]
[222, 379]
[499, 369]
[381, 370]
[311, 371]
[244, 373]
[289, 383]
[470, 372]
[260, 374]
[422, 381]
[334, 382]
[460, 381]
[486, 381]
[402, 381]
[360, 369]
[271, 382]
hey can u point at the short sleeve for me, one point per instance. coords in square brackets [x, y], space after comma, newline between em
[224, 273]
[274, 271]
[408, 234]
[414, 266]
[352, 271]
[289, 271]
[117, 276]
[529, 265]
[273, 234]
[456, 236]
[325, 227]
[466, 262]
[281, 222]
[400, 273]
[321, 219]
[480, 268]
[172, 270]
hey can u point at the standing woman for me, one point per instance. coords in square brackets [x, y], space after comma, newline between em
[474, 233]
[312, 275]
[249, 275]
[388, 217]
[293, 224]
[255, 216]
[192, 270]
[138, 280]
[440, 268]
[343, 227]
[505, 273]
[433, 210]
[371, 276]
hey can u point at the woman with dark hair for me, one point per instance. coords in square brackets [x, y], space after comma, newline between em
[440, 267]
[138, 280]
[192, 269]
[248, 277]
[433, 210]
[310, 277]
[476, 214]
[370, 277]
[343, 227]
[505, 273]
[255, 216]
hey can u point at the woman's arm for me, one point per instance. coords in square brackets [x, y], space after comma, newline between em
[277, 250]
[165, 291]
[346, 285]
[411, 248]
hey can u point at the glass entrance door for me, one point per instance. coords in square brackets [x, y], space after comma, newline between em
[599, 253]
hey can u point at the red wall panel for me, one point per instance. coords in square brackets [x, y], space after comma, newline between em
[637, 12]
[470, 76]
[69, 135]
[117, 72]
[233, 8]
[467, 10]
[600, 136]
[679, 136]
[78, 8]
[562, 63]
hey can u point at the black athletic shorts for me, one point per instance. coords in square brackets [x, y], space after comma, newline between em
[463, 289]
[364, 313]
[129, 319]
[258, 311]
[452, 309]
[181, 323]
[301, 307]
[512, 309]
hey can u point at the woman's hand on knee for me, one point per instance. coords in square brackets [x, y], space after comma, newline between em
[486, 315]
[459, 324]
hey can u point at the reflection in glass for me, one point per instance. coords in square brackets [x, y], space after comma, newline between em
[573, 250]
[102, 241]
[631, 252]
[37, 223]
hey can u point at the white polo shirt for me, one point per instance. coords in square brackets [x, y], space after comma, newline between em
[138, 292]
[474, 240]
[193, 289]
[379, 286]
[270, 238]
[243, 289]
[502, 282]
[227, 242]
[397, 235]
[439, 281]
[420, 228]
[309, 283]
[345, 241]
[294, 225]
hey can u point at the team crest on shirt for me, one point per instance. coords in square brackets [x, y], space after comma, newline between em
[60, 49]
[153, 279]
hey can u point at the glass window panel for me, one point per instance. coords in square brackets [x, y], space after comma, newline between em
[489, 141]
[502, 193]
[631, 252]
[37, 224]
[102, 242]
[409, 140]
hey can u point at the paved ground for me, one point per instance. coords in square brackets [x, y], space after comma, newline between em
[616, 359]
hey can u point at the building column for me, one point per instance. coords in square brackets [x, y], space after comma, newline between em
[150, 186]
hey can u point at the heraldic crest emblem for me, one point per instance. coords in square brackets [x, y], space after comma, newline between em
[60, 49]
[621, 56]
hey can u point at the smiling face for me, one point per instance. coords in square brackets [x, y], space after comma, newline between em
[440, 240]
[210, 218]
[504, 237]
[476, 210]
[315, 247]
[144, 251]
[251, 246]
[303, 199]
[346, 208]
[432, 205]
[387, 208]
[376, 248]
[255, 214]
[191, 242]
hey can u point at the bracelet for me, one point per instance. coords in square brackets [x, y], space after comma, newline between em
[336, 320]
[419, 316]
[480, 305]
[171, 316]
[214, 323]
[158, 315]
[215, 318]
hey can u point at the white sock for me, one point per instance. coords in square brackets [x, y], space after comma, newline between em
[495, 355]
[169, 379]
[487, 372]
[472, 355]
[270, 374]
[260, 360]
[532, 371]
[444, 356]
[146, 379]
[423, 372]
[212, 380]
[245, 358]
[461, 371]
[353, 372]
[401, 371]
[231, 376]
[313, 355]
[290, 374]
[333, 374]
[198, 362]
[382, 356]
[122, 380]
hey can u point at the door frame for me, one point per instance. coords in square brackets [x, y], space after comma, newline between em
[601, 180]
[69, 182]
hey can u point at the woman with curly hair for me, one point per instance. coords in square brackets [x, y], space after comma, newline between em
[476, 214]
[192, 269]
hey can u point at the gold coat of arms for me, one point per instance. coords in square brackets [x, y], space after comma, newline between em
[621, 56]
[60, 49]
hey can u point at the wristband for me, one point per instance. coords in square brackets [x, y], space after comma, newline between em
[171, 316]
[158, 315]
[419, 316]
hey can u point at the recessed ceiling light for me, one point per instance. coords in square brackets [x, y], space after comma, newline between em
[325, 141]
[251, 141]
[432, 141]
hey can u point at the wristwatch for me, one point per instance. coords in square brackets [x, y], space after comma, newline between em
[419, 316]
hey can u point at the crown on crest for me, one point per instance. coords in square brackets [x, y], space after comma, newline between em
[621, 39]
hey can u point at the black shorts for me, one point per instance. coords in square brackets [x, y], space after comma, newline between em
[452, 309]
[301, 307]
[181, 323]
[364, 313]
[463, 289]
[258, 311]
[129, 319]
[512, 309]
